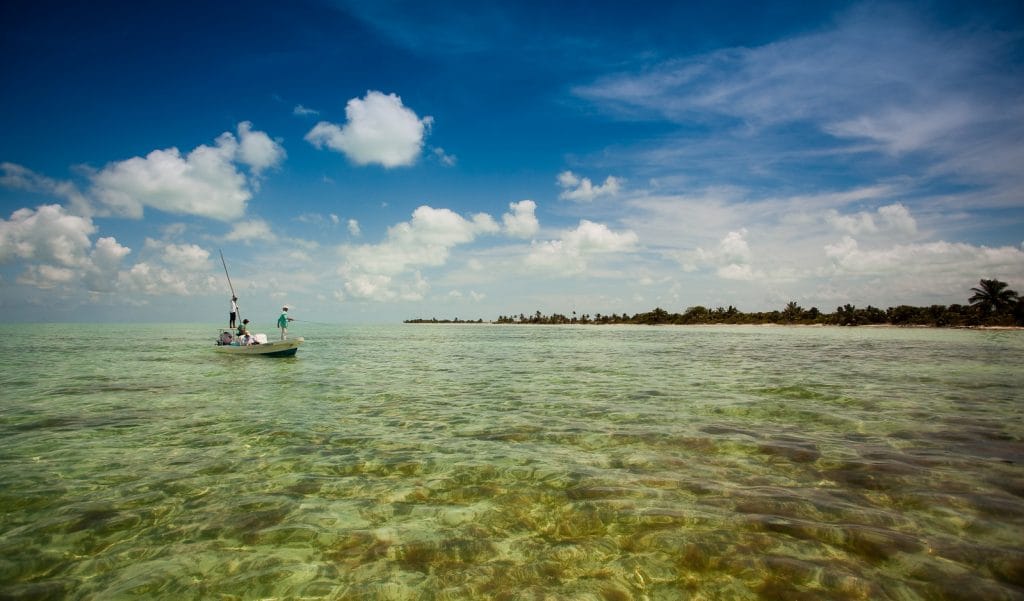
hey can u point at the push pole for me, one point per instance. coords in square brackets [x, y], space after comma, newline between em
[233, 295]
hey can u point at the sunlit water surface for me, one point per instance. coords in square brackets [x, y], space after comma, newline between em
[513, 462]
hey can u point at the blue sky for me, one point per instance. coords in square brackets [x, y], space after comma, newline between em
[376, 161]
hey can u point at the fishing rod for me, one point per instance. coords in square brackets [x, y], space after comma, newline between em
[319, 323]
[230, 285]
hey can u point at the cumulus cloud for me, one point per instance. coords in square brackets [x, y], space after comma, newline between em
[583, 190]
[205, 182]
[731, 258]
[47, 234]
[257, 150]
[734, 247]
[249, 230]
[353, 227]
[521, 220]
[569, 254]
[57, 250]
[381, 287]
[169, 269]
[737, 271]
[847, 257]
[372, 271]
[107, 255]
[189, 257]
[151, 280]
[894, 217]
[380, 130]
[898, 217]
[862, 271]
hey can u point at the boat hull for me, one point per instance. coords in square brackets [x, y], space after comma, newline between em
[276, 348]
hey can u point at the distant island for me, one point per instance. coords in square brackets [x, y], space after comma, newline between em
[993, 304]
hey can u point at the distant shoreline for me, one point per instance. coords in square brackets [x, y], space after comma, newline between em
[936, 316]
[481, 322]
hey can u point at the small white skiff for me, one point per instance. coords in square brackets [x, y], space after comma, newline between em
[253, 344]
[229, 344]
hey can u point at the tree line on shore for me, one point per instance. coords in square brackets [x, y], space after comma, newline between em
[992, 304]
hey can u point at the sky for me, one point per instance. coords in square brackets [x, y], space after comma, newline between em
[370, 162]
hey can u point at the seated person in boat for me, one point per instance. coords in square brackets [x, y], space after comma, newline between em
[243, 328]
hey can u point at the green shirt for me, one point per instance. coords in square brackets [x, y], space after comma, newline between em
[282, 322]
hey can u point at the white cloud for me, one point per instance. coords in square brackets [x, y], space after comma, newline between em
[107, 256]
[108, 253]
[555, 256]
[146, 279]
[380, 130]
[372, 270]
[521, 221]
[46, 276]
[830, 76]
[250, 230]
[894, 217]
[205, 182]
[734, 247]
[590, 237]
[368, 286]
[56, 249]
[353, 228]
[304, 111]
[737, 271]
[731, 258]
[583, 190]
[170, 269]
[910, 260]
[448, 160]
[257, 150]
[569, 254]
[188, 257]
[46, 235]
[947, 103]
[858, 223]
[385, 288]
[900, 130]
[897, 217]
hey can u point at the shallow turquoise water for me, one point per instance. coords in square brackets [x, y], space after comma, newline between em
[513, 462]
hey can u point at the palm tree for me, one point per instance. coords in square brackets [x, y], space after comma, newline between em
[992, 295]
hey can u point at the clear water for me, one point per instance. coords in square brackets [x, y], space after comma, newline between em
[513, 462]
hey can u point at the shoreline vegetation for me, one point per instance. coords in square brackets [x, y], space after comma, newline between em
[992, 305]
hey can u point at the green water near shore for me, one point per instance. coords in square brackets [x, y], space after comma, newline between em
[513, 462]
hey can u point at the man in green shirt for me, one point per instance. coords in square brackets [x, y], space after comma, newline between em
[282, 322]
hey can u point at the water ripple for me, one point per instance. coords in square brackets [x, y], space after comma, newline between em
[514, 463]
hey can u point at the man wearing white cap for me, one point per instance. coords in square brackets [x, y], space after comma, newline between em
[282, 322]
